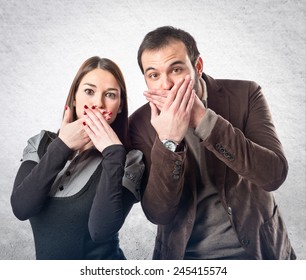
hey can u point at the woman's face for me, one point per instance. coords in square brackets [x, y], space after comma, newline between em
[98, 88]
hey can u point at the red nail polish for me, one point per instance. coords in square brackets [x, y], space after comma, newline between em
[85, 106]
[85, 113]
[84, 123]
[66, 107]
[104, 112]
[110, 113]
[93, 107]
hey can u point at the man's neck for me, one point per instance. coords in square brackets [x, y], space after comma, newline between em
[202, 90]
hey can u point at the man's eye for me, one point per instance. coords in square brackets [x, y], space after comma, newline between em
[89, 91]
[153, 76]
[177, 70]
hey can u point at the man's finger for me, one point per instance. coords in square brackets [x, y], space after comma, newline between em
[154, 110]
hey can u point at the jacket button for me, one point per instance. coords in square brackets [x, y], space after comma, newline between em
[176, 171]
[229, 210]
[218, 146]
[245, 242]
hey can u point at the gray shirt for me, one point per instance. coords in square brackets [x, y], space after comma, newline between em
[213, 236]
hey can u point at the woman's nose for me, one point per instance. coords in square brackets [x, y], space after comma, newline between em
[98, 103]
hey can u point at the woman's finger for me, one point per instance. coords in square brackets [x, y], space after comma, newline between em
[97, 117]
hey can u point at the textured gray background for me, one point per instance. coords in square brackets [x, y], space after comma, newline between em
[44, 42]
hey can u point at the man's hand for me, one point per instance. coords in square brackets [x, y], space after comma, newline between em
[170, 112]
[158, 98]
[197, 112]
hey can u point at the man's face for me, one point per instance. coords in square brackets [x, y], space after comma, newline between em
[164, 67]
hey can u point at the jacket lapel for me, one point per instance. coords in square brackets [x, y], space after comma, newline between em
[217, 101]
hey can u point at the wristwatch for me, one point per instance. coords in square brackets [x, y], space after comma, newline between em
[170, 145]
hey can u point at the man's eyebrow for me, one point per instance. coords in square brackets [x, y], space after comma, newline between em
[177, 62]
[149, 68]
[171, 65]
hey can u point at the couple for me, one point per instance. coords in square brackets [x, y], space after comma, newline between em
[202, 156]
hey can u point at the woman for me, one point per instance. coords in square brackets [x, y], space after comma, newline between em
[77, 186]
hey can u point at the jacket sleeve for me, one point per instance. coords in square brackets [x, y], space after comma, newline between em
[161, 199]
[36, 176]
[117, 191]
[254, 151]
[162, 184]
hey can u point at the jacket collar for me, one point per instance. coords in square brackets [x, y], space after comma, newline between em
[216, 99]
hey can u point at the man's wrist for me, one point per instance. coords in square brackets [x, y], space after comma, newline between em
[170, 144]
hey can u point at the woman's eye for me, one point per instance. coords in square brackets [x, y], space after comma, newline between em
[89, 91]
[110, 94]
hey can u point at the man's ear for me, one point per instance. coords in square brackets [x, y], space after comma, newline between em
[199, 66]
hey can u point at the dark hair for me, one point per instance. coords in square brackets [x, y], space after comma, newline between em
[120, 124]
[164, 35]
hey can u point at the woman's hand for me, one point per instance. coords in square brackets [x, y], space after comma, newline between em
[73, 133]
[98, 129]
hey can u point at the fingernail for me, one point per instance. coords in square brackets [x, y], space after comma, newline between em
[110, 113]
[104, 112]
[108, 118]
[85, 113]
[93, 107]
[84, 123]
[66, 107]
[85, 106]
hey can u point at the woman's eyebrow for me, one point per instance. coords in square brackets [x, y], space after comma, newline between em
[89, 84]
[115, 89]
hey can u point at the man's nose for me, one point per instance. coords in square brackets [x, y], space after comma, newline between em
[167, 83]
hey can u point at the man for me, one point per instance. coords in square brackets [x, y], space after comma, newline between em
[212, 158]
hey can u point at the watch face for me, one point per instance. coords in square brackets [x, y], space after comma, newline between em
[170, 145]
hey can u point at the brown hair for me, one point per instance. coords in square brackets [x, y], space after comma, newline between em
[120, 124]
[163, 36]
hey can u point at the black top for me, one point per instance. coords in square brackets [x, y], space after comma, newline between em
[86, 224]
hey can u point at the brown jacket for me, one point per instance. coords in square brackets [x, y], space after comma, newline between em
[245, 161]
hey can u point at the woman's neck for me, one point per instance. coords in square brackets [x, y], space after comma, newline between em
[85, 147]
